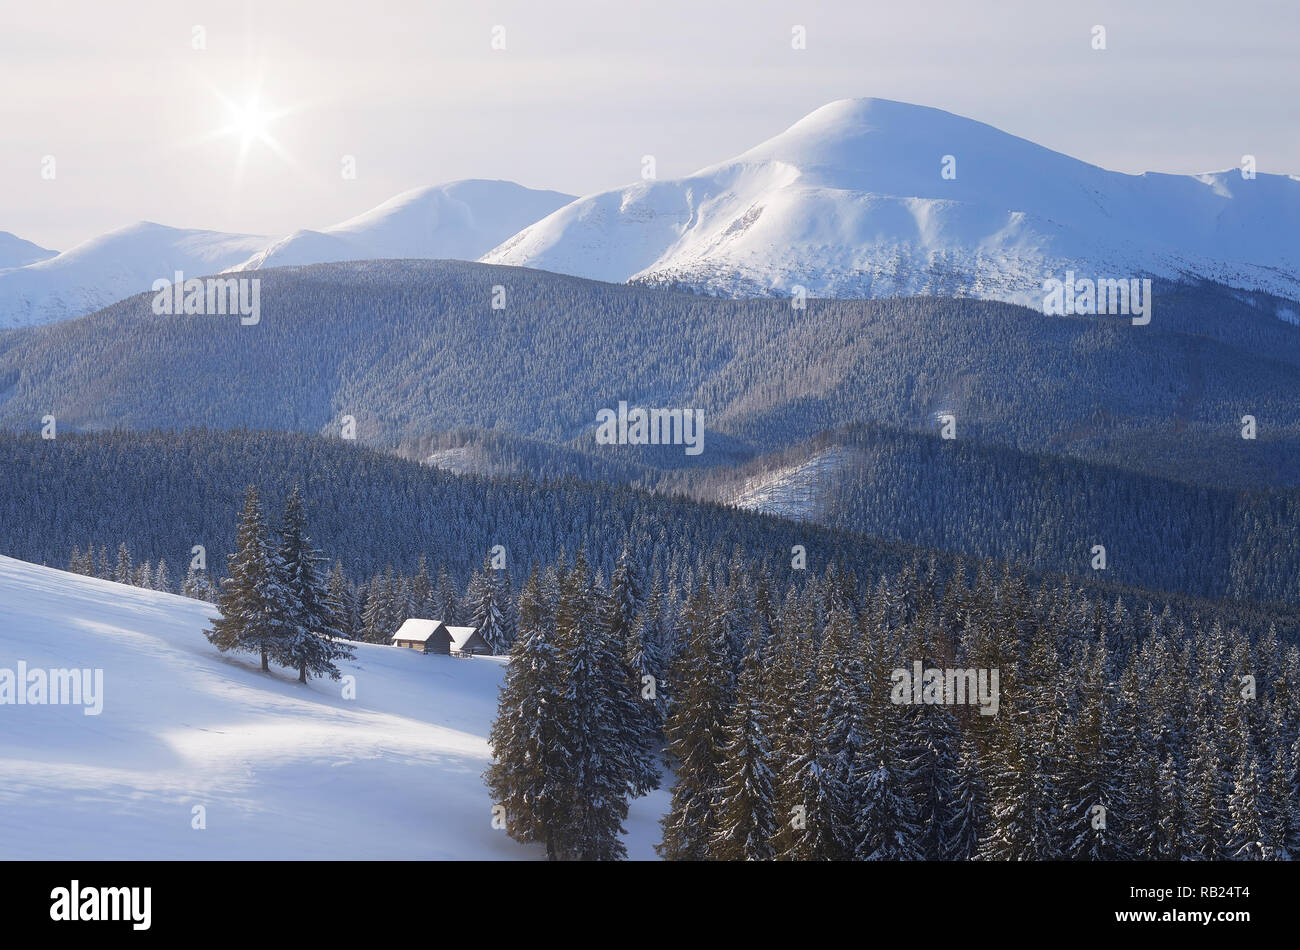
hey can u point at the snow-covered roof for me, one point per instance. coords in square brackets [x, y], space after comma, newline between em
[460, 636]
[419, 631]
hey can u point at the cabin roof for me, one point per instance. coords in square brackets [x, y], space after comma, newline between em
[417, 630]
[461, 635]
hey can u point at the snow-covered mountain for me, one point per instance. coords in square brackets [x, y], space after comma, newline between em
[16, 252]
[461, 220]
[112, 266]
[282, 770]
[852, 201]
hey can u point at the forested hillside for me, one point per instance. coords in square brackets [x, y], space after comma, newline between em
[410, 349]
[164, 492]
[1048, 511]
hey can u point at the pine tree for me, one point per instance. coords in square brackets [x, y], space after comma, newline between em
[1206, 816]
[530, 738]
[1245, 829]
[162, 579]
[252, 599]
[143, 576]
[446, 603]
[646, 656]
[841, 730]
[970, 808]
[643, 673]
[106, 573]
[314, 637]
[483, 604]
[1092, 767]
[747, 821]
[422, 591]
[375, 615]
[1170, 836]
[697, 726]
[122, 572]
[339, 593]
[598, 710]
[886, 824]
[1280, 828]
[197, 585]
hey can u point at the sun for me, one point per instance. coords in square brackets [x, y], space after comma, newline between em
[250, 122]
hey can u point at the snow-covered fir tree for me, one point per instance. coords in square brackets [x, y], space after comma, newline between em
[747, 799]
[251, 604]
[314, 635]
[483, 607]
[531, 740]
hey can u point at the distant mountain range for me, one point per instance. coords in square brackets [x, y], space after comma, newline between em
[861, 198]
[460, 221]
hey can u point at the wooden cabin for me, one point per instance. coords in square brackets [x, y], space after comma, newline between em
[427, 636]
[467, 641]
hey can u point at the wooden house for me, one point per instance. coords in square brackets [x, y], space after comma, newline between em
[467, 641]
[427, 636]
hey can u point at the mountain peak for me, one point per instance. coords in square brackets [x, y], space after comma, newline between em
[875, 197]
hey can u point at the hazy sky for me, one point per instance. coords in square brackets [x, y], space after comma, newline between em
[118, 94]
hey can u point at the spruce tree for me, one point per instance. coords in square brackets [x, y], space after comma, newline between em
[314, 636]
[1245, 833]
[446, 602]
[252, 599]
[484, 608]
[162, 579]
[598, 710]
[697, 727]
[747, 800]
[122, 571]
[969, 813]
[643, 672]
[530, 738]
[339, 593]
[422, 591]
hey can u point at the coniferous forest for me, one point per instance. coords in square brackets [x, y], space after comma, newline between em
[1118, 734]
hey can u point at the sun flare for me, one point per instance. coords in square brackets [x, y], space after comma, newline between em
[250, 122]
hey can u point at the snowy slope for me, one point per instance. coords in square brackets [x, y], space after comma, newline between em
[461, 220]
[284, 770]
[850, 201]
[793, 491]
[16, 252]
[112, 266]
